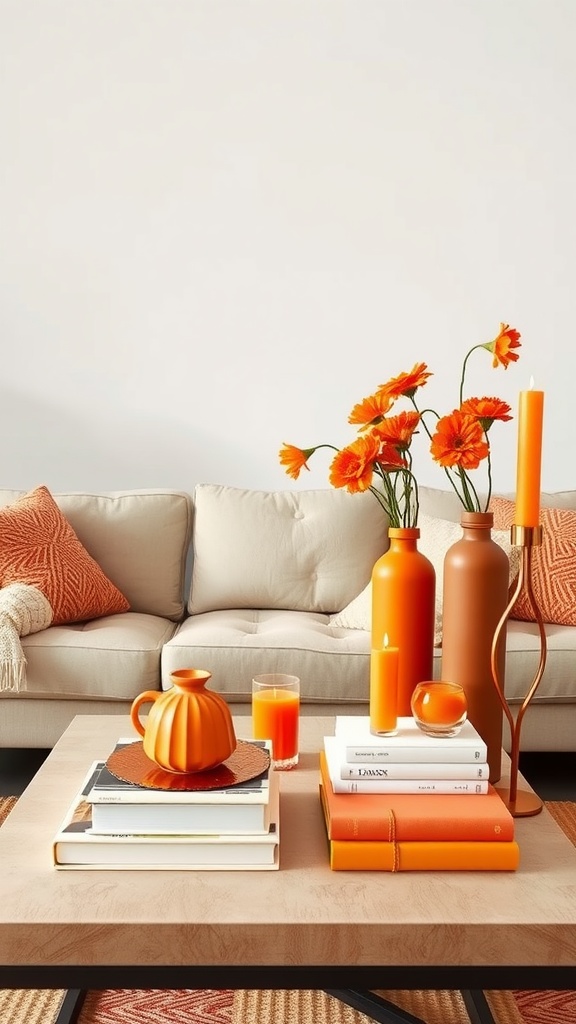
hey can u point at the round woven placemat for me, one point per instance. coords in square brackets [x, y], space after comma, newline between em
[130, 764]
[311, 1006]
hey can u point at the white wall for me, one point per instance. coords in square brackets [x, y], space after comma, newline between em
[224, 222]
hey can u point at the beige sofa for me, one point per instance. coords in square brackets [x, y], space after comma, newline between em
[268, 574]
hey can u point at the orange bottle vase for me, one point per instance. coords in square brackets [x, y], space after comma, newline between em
[403, 600]
[475, 595]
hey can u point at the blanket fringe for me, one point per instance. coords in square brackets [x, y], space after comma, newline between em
[13, 675]
[23, 610]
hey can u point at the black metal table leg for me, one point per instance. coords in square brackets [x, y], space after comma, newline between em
[380, 1010]
[477, 1006]
[71, 1007]
[384, 1012]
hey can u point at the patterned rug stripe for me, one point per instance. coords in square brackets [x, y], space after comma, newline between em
[546, 1007]
[157, 1006]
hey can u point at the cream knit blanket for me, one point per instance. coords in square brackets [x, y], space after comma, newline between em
[23, 610]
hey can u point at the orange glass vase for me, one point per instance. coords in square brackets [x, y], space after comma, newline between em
[189, 728]
[475, 595]
[403, 598]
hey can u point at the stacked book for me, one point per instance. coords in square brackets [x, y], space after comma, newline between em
[412, 802]
[123, 825]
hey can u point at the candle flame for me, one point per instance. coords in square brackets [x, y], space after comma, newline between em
[385, 640]
[531, 387]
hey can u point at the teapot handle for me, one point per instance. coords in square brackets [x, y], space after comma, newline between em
[148, 697]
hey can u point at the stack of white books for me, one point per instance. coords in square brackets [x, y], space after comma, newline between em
[408, 761]
[122, 825]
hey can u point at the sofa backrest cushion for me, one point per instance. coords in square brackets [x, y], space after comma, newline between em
[444, 504]
[303, 550]
[139, 539]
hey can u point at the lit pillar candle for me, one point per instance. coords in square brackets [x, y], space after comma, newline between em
[384, 689]
[530, 415]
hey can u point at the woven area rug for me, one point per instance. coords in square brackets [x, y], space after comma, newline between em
[224, 1006]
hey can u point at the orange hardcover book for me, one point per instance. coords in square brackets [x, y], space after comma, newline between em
[416, 817]
[403, 855]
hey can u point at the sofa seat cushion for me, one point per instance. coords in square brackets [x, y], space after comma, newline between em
[235, 645]
[523, 652]
[333, 663]
[112, 658]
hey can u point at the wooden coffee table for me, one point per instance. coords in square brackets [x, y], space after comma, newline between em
[303, 926]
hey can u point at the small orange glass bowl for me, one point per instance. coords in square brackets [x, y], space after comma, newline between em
[439, 708]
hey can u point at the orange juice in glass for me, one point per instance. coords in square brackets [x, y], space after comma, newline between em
[275, 716]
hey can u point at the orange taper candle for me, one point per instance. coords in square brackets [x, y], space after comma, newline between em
[384, 689]
[530, 415]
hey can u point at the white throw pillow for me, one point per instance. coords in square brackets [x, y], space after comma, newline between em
[436, 536]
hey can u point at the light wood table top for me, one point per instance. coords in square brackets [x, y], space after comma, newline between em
[302, 915]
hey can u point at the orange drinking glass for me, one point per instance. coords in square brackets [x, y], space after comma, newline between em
[275, 715]
[439, 708]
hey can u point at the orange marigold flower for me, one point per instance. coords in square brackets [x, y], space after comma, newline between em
[398, 430]
[406, 383]
[353, 467]
[390, 459]
[502, 346]
[294, 459]
[486, 410]
[459, 441]
[371, 409]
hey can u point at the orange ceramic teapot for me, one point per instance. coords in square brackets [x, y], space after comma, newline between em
[189, 728]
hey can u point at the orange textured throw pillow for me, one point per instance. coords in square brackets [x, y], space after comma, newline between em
[38, 547]
[553, 564]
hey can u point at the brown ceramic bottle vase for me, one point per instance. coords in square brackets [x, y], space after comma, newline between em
[475, 595]
[403, 600]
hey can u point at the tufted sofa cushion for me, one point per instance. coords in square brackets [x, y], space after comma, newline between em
[235, 645]
[304, 550]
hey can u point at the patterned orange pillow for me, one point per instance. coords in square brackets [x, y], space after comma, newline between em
[553, 564]
[38, 547]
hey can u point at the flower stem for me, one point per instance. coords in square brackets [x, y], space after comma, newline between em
[466, 358]
[489, 474]
[471, 501]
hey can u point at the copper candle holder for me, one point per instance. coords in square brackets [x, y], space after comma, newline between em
[520, 803]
